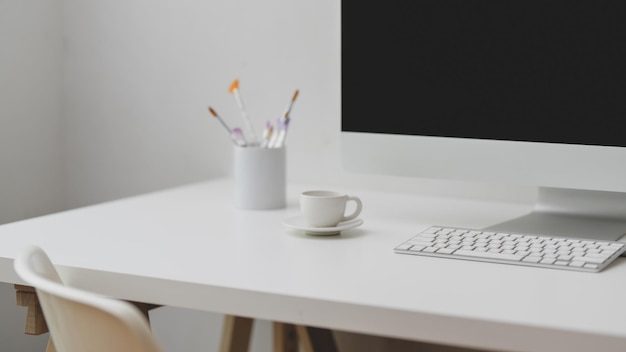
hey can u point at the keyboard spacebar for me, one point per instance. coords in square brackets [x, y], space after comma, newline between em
[489, 255]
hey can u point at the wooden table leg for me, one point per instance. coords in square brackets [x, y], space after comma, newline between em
[285, 338]
[316, 339]
[289, 337]
[236, 334]
[25, 296]
[50, 346]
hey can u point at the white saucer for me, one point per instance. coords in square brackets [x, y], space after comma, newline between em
[297, 222]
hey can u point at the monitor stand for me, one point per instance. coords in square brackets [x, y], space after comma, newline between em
[572, 213]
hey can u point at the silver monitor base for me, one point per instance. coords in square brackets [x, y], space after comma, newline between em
[573, 213]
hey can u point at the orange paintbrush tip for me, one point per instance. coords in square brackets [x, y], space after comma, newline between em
[295, 95]
[214, 113]
[234, 86]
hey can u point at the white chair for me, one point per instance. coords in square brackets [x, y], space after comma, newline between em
[82, 321]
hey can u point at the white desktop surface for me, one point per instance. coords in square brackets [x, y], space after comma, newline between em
[189, 247]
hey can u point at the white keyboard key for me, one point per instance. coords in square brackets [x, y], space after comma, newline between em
[491, 255]
[597, 255]
[588, 259]
[445, 250]
[532, 259]
[427, 235]
[421, 243]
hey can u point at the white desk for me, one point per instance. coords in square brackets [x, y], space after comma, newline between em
[189, 247]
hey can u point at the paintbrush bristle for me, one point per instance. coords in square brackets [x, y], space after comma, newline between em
[212, 111]
[234, 86]
[295, 95]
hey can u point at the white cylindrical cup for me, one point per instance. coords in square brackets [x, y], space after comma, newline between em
[260, 178]
[327, 208]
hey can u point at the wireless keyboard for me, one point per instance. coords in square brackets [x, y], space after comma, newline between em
[517, 249]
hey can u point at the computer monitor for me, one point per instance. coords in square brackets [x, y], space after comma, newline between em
[510, 92]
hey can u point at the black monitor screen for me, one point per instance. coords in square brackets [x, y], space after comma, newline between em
[540, 71]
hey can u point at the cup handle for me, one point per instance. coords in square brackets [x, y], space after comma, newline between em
[356, 211]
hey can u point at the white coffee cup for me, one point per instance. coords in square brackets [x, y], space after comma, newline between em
[327, 208]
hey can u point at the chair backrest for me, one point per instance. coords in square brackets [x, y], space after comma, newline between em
[79, 320]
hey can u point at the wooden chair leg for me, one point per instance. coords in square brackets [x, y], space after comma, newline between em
[285, 338]
[316, 339]
[236, 334]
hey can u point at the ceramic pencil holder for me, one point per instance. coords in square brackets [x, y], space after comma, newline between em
[260, 178]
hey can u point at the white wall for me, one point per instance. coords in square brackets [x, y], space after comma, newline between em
[31, 169]
[31, 162]
[108, 99]
[141, 74]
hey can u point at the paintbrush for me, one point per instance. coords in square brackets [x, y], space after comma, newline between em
[282, 134]
[274, 137]
[293, 100]
[267, 134]
[239, 140]
[279, 140]
[234, 89]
